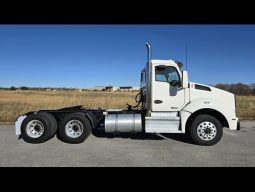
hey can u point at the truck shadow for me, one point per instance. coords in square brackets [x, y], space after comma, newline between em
[179, 137]
[143, 136]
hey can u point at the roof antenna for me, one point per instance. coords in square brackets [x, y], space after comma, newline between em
[186, 56]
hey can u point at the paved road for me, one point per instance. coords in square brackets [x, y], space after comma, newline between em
[237, 148]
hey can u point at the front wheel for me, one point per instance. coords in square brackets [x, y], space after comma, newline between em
[206, 130]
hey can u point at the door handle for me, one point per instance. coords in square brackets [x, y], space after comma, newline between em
[158, 101]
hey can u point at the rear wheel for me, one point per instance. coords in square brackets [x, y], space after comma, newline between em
[206, 130]
[36, 129]
[53, 123]
[74, 128]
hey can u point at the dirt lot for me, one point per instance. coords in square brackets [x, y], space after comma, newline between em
[237, 148]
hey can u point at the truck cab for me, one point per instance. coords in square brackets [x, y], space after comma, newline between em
[174, 105]
[165, 89]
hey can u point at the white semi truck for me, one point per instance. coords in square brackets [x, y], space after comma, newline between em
[166, 103]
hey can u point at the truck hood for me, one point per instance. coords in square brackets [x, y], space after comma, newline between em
[199, 91]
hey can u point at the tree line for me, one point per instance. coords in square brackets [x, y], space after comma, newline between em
[13, 88]
[238, 89]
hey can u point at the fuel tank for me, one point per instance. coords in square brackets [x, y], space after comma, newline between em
[123, 123]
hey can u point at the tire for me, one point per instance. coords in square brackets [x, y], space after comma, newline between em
[206, 130]
[74, 128]
[52, 121]
[36, 128]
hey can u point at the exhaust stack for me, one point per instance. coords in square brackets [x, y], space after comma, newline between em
[148, 51]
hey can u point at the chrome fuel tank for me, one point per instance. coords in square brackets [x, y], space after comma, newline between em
[123, 123]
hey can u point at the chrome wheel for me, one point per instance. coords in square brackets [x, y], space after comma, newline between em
[34, 128]
[206, 131]
[74, 128]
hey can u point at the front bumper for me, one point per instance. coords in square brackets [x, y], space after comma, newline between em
[234, 123]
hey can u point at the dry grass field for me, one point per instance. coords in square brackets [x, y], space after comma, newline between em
[245, 106]
[14, 103]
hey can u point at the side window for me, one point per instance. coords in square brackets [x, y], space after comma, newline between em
[143, 79]
[166, 74]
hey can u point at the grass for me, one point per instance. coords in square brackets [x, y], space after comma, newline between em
[14, 103]
[245, 107]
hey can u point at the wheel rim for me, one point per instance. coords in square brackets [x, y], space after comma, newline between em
[206, 131]
[74, 128]
[34, 128]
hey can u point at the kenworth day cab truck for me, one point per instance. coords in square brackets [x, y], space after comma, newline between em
[166, 103]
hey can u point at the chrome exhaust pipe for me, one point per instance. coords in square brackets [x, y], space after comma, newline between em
[148, 51]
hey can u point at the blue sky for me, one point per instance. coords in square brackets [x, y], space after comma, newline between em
[89, 55]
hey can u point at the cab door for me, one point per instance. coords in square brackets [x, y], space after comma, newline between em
[167, 91]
